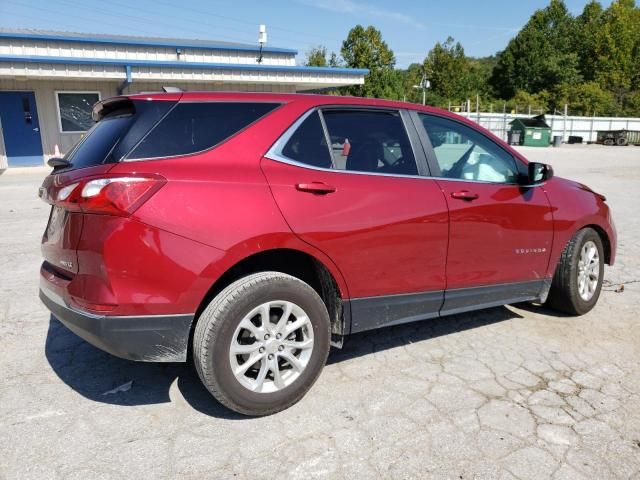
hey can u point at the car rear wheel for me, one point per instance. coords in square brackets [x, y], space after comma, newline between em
[578, 278]
[262, 342]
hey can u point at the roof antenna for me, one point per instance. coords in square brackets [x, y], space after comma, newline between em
[262, 39]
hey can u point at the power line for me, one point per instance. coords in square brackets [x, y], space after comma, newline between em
[65, 15]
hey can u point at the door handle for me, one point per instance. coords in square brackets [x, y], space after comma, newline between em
[36, 129]
[318, 188]
[464, 195]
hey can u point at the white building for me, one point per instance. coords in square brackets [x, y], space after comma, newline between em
[50, 80]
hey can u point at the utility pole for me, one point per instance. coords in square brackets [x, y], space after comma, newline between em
[564, 123]
[423, 85]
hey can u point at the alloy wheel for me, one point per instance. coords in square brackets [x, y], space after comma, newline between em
[588, 270]
[271, 346]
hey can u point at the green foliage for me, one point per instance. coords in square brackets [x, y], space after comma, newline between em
[616, 44]
[317, 57]
[334, 60]
[591, 62]
[588, 26]
[523, 100]
[588, 98]
[540, 55]
[450, 71]
[365, 48]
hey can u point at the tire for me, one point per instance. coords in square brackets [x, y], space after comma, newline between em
[565, 294]
[609, 142]
[225, 324]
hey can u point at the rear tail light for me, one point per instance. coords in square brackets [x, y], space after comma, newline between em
[107, 195]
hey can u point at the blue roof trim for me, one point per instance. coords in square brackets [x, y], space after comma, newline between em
[177, 64]
[147, 43]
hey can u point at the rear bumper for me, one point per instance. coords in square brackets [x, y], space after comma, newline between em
[150, 338]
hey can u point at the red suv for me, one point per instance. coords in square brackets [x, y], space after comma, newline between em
[256, 230]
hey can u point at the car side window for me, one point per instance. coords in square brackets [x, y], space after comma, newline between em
[373, 141]
[462, 153]
[308, 144]
[194, 127]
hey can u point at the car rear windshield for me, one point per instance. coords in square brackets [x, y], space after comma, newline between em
[194, 127]
[109, 140]
[153, 129]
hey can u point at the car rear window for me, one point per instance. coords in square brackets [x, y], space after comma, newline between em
[193, 127]
[109, 140]
[152, 129]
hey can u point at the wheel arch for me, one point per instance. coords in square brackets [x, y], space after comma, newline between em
[604, 237]
[294, 262]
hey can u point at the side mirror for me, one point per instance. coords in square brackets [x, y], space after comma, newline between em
[539, 173]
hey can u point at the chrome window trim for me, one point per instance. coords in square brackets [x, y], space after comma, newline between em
[274, 153]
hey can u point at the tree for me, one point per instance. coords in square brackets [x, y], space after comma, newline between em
[365, 48]
[590, 99]
[541, 54]
[587, 98]
[334, 60]
[523, 100]
[617, 43]
[317, 57]
[588, 24]
[412, 77]
[447, 68]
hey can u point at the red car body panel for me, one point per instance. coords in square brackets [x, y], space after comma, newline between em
[574, 207]
[503, 236]
[379, 246]
[376, 235]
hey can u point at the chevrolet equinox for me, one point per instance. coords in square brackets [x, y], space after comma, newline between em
[250, 232]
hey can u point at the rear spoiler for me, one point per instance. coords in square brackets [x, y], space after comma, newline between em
[126, 105]
[105, 107]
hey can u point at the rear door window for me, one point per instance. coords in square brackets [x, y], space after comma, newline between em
[193, 127]
[308, 144]
[371, 141]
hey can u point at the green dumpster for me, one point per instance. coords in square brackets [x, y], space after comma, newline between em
[534, 132]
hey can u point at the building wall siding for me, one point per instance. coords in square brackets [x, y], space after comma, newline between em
[304, 79]
[45, 91]
[19, 46]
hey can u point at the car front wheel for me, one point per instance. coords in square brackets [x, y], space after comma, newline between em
[262, 343]
[578, 278]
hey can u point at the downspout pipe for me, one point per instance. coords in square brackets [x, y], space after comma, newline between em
[127, 81]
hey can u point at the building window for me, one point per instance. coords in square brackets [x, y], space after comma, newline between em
[74, 110]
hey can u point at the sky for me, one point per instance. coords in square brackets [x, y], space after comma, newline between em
[410, 27]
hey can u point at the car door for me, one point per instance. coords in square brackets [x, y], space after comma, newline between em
[348, 182]
[500, 231]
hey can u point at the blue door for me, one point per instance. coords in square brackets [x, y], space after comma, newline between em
[20, 128]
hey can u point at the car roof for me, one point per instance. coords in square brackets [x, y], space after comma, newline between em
[313, 100]
[305, 98]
